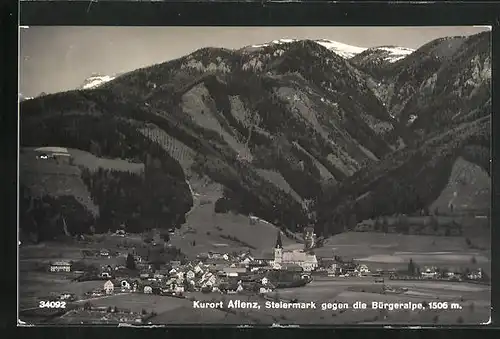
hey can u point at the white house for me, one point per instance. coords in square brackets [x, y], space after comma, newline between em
[60, 266]
[264, 281]
[246, 261]
[239, 288]
[148, 290]
[429, 273]
[475, 275]
[109, 287]
[190, 275]
[263, 290]
[225, 256]
[158, 275]
[210, 281]
[125, 285]
[179, 289]
[105, 275]
[363, 269]
[66, 296]
[198, 269]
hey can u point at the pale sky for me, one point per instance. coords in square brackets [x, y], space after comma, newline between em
[60, 58]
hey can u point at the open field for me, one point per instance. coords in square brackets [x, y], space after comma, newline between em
[205, 227]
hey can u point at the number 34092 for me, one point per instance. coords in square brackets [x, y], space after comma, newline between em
[52, 304]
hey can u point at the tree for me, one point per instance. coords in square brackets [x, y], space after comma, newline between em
[130, 262]
[385, 225]
[411, 267]
[165, 236]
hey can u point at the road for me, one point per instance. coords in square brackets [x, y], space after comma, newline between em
[359, 281]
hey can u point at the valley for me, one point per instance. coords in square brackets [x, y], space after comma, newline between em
[382, 153]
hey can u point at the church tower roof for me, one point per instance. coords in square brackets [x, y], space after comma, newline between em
[279, 243]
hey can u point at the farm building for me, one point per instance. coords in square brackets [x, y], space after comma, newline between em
[234, 271]
[60, 266]
[60, 154]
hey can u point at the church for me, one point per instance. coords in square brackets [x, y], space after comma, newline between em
[302, 258]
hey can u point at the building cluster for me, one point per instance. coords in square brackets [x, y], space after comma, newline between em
[240, 272]
[204, 276]
[92, 314]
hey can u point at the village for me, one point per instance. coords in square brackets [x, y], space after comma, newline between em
[139, 272]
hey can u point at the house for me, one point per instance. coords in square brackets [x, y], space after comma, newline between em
[97, 293]
[198, 268]
[475, 275]
[125, 285]
[60, 266]
[67, 296]
[105, 275]
[264, 281]
[208, 280]
[160, 274]
[263, 290]
[365, 226]
[429, 273]
[109, 287]
[148, 290]
[234, 271]
[120, 233]
[190, 275]
[234, 287]
[363, 269]
[246, 261]
[104, 253]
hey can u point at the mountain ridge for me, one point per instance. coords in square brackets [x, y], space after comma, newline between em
[315, 119]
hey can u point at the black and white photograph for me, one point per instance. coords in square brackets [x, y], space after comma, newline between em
[254, 175]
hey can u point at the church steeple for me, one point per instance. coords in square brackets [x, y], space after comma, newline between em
[279, 244]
